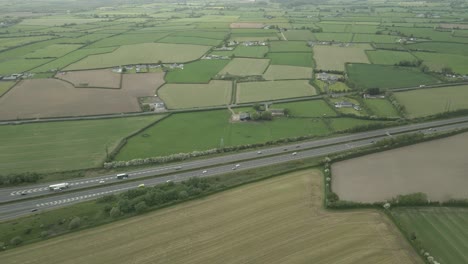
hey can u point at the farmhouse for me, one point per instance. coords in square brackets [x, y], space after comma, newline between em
[344, 104]
[323, 76]
[368, 96]
[277, 112]
[244, 116]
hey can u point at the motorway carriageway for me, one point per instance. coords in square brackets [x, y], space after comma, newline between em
[21, 208]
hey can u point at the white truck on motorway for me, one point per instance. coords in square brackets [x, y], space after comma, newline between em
[59, 186]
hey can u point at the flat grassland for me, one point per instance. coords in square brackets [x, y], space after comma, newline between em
[210, 128]
[335, 57]
[246, 25]
[39, 98]
[200, 71]
[57, 146]
[441, 231]
[279, 220]
[292, 58]
[285, 72]
[311, 108]
[299, 35]
[243, 66]
[196, 95]
[436, 168]
[190, 40]
[142, 53]
[437, 61]
[386, 76]
[435, 100]
[389, 57]
[270, 90]
[441, 47]
[52, 51]
[381, 107]
[289, 46]
[92, 78]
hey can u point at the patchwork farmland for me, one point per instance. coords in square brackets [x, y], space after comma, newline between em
[341, 55]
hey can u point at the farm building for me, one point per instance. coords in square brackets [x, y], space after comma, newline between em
[323, 76]
[277, 112]
[344, 104]
[244, 116]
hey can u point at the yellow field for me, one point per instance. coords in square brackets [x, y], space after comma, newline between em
[279, 220]
[335, 57]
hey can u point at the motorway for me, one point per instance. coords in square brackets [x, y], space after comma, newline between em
[213, 166]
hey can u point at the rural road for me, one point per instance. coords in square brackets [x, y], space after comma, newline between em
[322, 147]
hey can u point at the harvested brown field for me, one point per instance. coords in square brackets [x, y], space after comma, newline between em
[279, 220]
[92, 78]
[437, 168]
[41, 98]
[247, 25]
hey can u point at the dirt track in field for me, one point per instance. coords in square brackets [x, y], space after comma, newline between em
[92, 78]
[40, 98]
[437, 168]
[279, 220]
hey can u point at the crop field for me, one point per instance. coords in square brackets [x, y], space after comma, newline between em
[5, 86]
[142, 53]
[374, 38]
[433, 101]
[285, 72]
[271, 90]
[200, 71]
[70, 58]
[299, 35]
[196, 95]
[335, 37]
[289, 46]
[381, 108]
[92, 78]
[190, 40]
[243, 67]
[45, 147]
[439, 230]
[433, 167]
[312, 108]
[385, 76]
[210, 128]
[389, 57]
[39, 98]
[292, 59]
[437, 61]
[128, 39]
[335, 57]
[441, 47]
[279, 220]
[52, 51]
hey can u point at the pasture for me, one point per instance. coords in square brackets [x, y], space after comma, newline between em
[289, 46]
[432, 101]
[92, 78]
[5, 86]
[335, 57]
[285, 72]
[389, 57]
[372, 38]
[20, 65]
[365, 76]
[437, 61]
[381, 107]
[214, 93]
[292, 59]
[439, 230]
[40, 98]
[244, 67]
[142, 53]
[298, 35]
[52, 51]
[334, 87]
[440, 47]
[59, 146]
[278, 220]
[200, 71]
[435, 168]
[270, 90]
[190, 40]
[210, 128]
[244, 51]
[334, 37]
[128, 39]
[311, 108]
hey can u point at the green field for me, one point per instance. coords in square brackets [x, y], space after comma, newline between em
[348, 110]
[244, 51]
[374, 38]
[190, 40]
[58, 146]
[210, 129]
[381, 107]
[5, 86]
[382, 76]
[299, 35]
[312, 108]
[389, 57]
[243, 67]
[441, 47]
[334, 57]
[437, 61]
[128, 39]
[20, 65]
[289, 46]
[292, 59]
[334, 87]
[52, 51]
[435, 100]
[285, 72]
[344, 123]
[335, 37]
[196, 95]
[440, 231]
[142, 53]
[271, 90]
[200, 71]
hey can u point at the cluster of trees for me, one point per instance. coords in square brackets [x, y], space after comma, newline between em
[401, 139]
[407, 63]
[14, 179]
